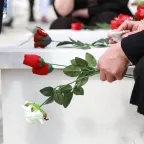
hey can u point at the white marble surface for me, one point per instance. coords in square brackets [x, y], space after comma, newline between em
[132, 123]
[12, 56]
[102, 116]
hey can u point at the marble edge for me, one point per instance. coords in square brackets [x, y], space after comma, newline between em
[14, 60]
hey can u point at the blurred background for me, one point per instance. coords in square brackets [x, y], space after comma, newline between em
[16, 26]
[19, 18]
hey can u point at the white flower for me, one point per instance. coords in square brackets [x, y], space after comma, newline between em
[33, 113]
[116, 35]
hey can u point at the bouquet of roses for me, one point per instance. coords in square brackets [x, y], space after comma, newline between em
[81, 69]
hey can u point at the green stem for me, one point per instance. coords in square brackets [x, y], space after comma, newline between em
[42, 103]
[96, 72]
[58, 68]
[56, 41]
[57, 64]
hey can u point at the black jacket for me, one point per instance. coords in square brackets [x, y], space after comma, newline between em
[98, 6]
[1, 13]
[118, 6]
[133, 47]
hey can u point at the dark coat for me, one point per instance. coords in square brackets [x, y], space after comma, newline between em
[117, 6]
[1, 13]
[133, 47]
[97, 6]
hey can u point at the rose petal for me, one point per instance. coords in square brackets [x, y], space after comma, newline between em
[41, 71]
[76, 26]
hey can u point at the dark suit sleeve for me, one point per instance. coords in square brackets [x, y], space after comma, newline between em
[107, 5]
[133, 47]
[1, 13]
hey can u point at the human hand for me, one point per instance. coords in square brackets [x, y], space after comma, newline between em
[83, 13]
[113, 64]
[132, 26]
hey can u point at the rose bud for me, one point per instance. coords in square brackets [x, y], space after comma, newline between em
[44, 70]
[33, 60]
[76, 26]
[40, 36]
[140, 13]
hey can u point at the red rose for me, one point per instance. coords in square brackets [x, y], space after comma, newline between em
[41, 38]
[39, 45]
[119, 20]
[140, 7]
[114, 24]
[122, 18]
[33, 60]
[44, 70]
[76, 26]
[40, 32]
[140, 13]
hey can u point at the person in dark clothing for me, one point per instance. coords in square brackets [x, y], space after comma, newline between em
[113, 63]
[1, 13]
[31, 7]
[87, 11]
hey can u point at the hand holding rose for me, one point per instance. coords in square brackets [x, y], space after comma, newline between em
[113, 64]
[132, 26]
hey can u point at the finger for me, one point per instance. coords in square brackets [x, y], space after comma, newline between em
[136, 26]
[102, 76]
[127, 25]
[119, 77]
[112, 41]
[121, 74]
[127, 34]
[110, 78]
[109, 35]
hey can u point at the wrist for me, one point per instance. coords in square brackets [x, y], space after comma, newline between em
[120, 52]
[123, 54]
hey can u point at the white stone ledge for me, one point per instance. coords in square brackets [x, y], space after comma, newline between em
[11, 56]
